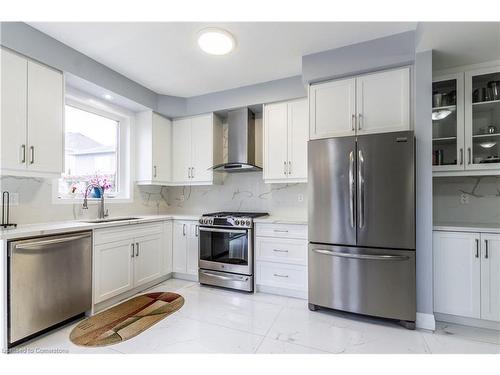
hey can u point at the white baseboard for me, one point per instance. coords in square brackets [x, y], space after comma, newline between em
[282, 291]
[464, 321]
[426, 321]
[185, 276]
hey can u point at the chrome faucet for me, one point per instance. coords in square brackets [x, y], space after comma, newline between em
[101, 213]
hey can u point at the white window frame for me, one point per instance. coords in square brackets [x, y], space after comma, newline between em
[124, 167]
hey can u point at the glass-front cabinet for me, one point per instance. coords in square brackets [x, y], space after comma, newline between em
[466, 122]
[483, 118]
[448, 123]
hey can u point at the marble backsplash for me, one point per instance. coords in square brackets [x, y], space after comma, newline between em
[36, 205]
[482, 193]
[240, 192]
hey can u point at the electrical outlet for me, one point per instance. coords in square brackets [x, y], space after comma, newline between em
[464, 198]
[181, 198]
[13, 199]
[300, 197]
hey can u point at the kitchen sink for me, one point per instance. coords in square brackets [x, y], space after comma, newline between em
[110, 219]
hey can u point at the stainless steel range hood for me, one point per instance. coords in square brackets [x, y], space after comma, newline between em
[241, 143]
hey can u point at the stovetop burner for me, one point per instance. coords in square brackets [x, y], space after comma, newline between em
[230, 219]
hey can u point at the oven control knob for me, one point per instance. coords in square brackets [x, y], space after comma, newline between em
[237, 222]
[200, 221]
[211, 221]
[248, 222]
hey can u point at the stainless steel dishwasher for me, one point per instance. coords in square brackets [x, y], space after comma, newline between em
[50, 282]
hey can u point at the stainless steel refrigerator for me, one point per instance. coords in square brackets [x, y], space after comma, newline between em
[362, 225]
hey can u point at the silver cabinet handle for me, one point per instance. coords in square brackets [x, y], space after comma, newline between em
[23, 154]
[361, 190]
[280, 230]
[360, 116]
[469, 155]
[189, 172]
[351, 186]
[154, 171]
[137, 249]
[133, 252]
[32, 154]
[477, 248]
[485, 249]
[361, 256]
[192, 172]
[197, 232]
[353, 122]
[278, 275]
[289, 167]
[284, 168]
[461, 156]
[183, 229]
[280, 251]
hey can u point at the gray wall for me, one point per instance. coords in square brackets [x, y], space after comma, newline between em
[423, 135]
[377, 54]
[266, 92]
[482, 204]
[30, 42]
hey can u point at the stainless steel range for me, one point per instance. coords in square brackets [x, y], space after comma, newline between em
[226, 249]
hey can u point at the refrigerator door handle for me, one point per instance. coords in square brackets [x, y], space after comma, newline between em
[360, 256]
[361, 189]
[351, 186]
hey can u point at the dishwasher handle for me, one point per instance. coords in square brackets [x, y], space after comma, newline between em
[40, 245]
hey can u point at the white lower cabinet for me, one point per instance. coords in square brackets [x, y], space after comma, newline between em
[185, 249]
[127, 257]
[467, 274]
[281, 259]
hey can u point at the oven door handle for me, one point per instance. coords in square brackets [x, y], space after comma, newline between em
[219, 230]
[223, 277]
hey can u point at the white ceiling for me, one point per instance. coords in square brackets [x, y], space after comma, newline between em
[165, 56]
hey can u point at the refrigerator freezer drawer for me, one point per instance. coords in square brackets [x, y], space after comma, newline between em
[376, 282]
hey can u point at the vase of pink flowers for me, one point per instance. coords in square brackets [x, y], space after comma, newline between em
[99, 181]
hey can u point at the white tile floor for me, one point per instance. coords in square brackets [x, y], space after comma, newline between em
[220, 321]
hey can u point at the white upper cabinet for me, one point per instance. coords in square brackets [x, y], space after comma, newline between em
[332, 107]
[197, 146]
[466, 121]
[383, 101]
[32, 117]
[14, 103]
[285, 141]
[372, 103]
[275, 146]
[154, 149]
[181, 151]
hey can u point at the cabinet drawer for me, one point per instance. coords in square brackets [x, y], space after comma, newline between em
[281, 250]
[281, 230]
[119, 233]
[282, 275]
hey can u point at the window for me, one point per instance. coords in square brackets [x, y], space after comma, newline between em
[97, 150]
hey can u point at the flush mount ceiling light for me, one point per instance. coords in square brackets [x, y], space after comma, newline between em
[107, 97]
[441, 114]
[216, 41]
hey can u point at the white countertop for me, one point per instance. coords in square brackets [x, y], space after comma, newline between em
[31, 230]
[277, 219]
[466, 227]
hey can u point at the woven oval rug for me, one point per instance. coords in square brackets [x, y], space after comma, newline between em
[126, 320]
